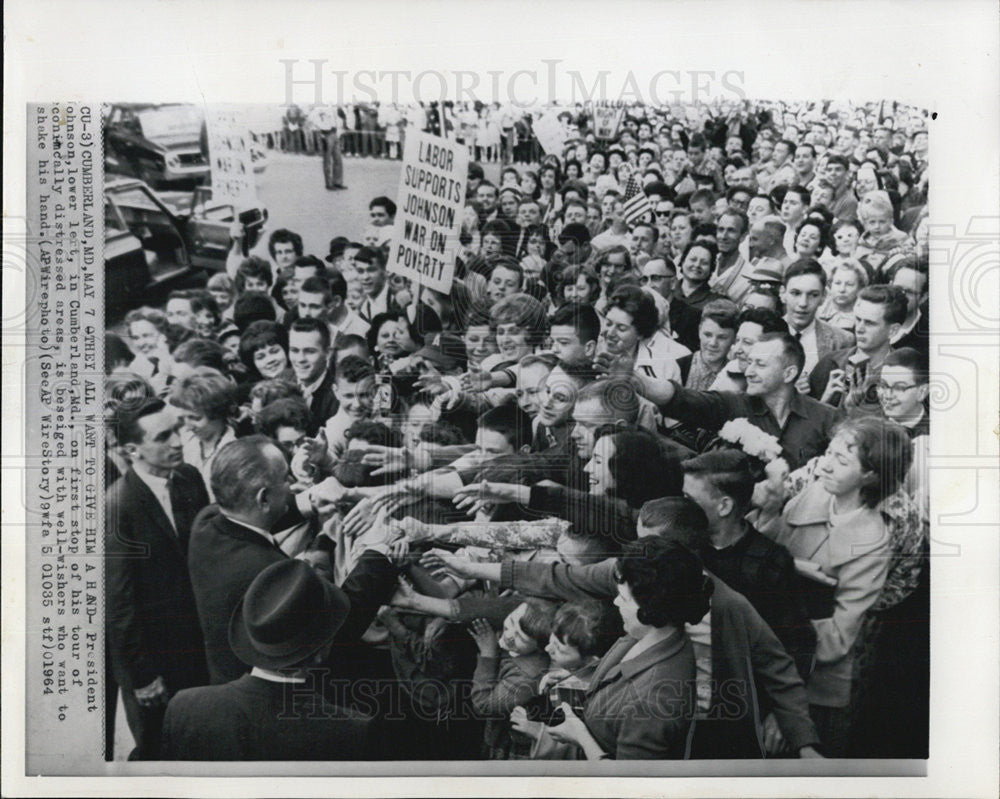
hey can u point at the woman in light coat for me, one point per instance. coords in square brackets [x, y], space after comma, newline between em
[843, 550]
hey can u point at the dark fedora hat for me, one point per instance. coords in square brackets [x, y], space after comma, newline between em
[286, 615]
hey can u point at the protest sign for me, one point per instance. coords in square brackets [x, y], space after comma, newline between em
[607, 119]
[430, 202]
[550, 134]
[229, 143]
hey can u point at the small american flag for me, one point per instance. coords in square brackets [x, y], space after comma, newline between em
[636, 206]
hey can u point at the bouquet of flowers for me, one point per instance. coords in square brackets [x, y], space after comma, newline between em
[751, 439]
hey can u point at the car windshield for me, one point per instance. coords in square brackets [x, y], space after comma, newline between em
[170, 121]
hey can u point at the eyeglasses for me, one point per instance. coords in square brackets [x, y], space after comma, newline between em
[895, 389]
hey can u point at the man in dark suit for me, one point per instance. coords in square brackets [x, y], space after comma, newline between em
[309, 354]
[283, 628]
[154, 638]
[231, 543]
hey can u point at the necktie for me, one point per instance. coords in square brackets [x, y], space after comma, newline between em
[180, 504]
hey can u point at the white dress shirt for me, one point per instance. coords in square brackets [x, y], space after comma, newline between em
[160, 488]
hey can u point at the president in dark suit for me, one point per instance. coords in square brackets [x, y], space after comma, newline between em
[154, 638]
[283, 628]
[231, 543]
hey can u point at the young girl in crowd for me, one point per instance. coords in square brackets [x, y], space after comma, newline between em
[846, 280]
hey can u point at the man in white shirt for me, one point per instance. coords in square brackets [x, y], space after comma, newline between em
[370, 265]
[802, 293]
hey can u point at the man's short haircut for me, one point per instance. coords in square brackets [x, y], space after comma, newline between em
[791, 349]
[639, 305]
[739, 213]
[837, 158]
[384, 202]
[251, 307]
[259, 335]
[181, 294]
[576, 232]
[653, 228]
[155, 317]
[240, 470]
[336, 282]
[697, 140]
[788, 144]
[762, 196]
[511, 265]
[205, 391]
[802, 191]
[522, 310]
[354, 369]
[910, 358]
[286, 412]
[808, 146]
[676, 518]
[891, 298]
[317, 285]
[729, 471]
[805, 266]
[285, 236]
[702, 195]
[579, 187]
[590, 625]
[349, 342]
[371, 255]
[617, 396]
[309, 262]
[128, 415]
[582, 317]
[310, 325]
[723, 312]
[201, 352]
[253, 267]
[769, 321]
[511, 422]
[488, 185]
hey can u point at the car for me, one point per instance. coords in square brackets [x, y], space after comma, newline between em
[163, 145]
[152, 238]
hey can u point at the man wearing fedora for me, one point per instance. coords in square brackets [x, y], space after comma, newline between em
[232, 542]
[283, 629]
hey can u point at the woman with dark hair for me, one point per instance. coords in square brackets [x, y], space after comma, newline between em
[834, 529]
[530, 185]
[539, 250]
[641, 700]
[811, 238]
[572, 170]
[550, 182]
[631, 465]
[264, 350]
[390, 337]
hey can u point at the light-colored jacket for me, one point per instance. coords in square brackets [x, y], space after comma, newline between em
[855, 551]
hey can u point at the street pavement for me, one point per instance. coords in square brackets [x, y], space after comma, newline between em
[293, 192]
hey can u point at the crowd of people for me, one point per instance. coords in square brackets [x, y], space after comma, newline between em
[649, 482]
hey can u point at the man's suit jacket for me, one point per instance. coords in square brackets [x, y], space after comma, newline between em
[152, 622]
[323, 404]
[256, 719]
[225, 557]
